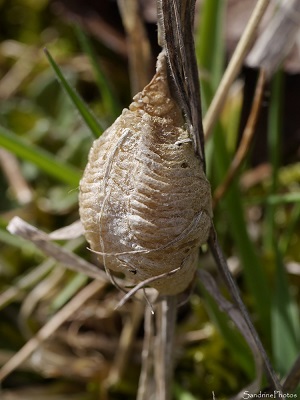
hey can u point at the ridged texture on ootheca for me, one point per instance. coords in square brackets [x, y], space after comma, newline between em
[146, 195]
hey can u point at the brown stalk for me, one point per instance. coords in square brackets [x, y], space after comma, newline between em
[246, 141]
[235, 315]
[234, 66]
[279, 37]
[293, 377]
[43, 241]
[219, 257]
[176, 21]
[164, 346]
[15, 179]
[139, 54]
[127, 338]
[145, 380]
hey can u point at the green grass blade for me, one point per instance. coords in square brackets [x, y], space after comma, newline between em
[284, 321]
[182, 394]
[47, 162]
[275, 199]
[109, 98]
[290, 229]
[210, 58]
[69, 291]
[254, 272]
[232, 337]
[274, 133]
[86, 114]
[210, 53]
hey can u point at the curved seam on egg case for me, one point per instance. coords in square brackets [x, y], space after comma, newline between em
[180, 237]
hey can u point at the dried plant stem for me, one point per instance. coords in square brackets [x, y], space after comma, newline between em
[234, 66]
[26, 59]
[11, 168]
[19, 227]
[277, 39]
[293, 378]
[236, 316]
[139, 54]
[51, 326]
[145, 381]
[143, 284]
[224, 270]
[127, 337]
[176, 21]
[39, 292]
[164, 346]
[245, 142]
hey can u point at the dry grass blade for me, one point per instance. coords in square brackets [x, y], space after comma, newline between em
[71, 231]
[235, 315]
[39, 292]
[143, 284]
[224, 270]
[277, 39]
[245, 142]
[176, 21]
[193, 78]
[234, 66]
[19, 227]
[51, 326]
[139, 54]
[26, 62]
[127, 337]
[12, 171]
[292, 380]
[145, 381]
[164, 346]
